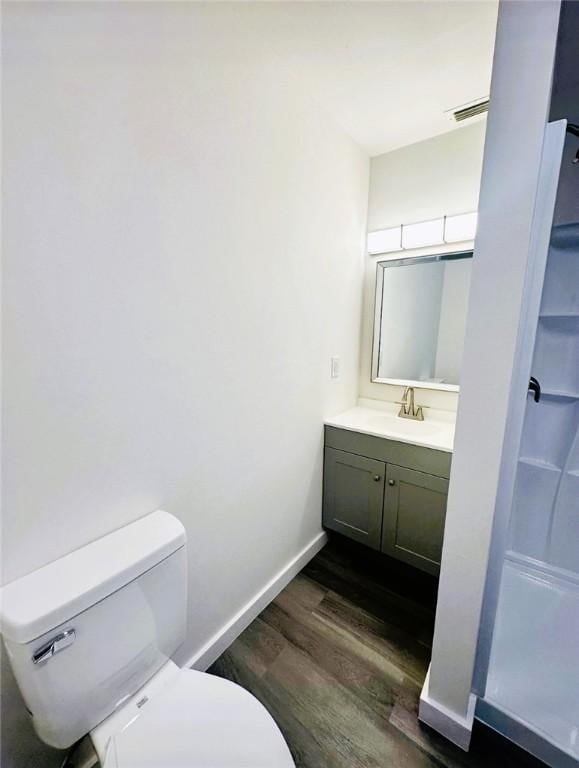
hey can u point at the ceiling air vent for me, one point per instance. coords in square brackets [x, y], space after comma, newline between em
[470, 110]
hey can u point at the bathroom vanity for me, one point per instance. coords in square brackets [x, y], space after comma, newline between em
[386, 481]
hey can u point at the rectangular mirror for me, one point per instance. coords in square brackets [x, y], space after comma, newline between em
[420, 320]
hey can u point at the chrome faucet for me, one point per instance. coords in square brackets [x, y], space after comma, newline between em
[408, 410]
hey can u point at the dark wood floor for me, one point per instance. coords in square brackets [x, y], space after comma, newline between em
[339, 659]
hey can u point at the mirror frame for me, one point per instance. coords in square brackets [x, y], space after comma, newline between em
[380, 269]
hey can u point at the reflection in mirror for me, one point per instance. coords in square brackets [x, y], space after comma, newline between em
[420, 320]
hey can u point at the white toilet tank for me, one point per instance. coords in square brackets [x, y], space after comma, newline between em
[86, 631]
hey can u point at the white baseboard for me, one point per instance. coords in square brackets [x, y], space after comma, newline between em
[450, 725]
[223, 638]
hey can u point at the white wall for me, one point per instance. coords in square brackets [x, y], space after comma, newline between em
[520, 94]
[183, 241]
[422, 181]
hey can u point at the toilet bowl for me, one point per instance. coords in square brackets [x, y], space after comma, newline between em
[90, 639]
[191, 719]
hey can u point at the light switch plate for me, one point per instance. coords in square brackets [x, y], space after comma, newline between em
[334, 367]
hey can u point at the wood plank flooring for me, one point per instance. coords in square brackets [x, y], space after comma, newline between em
[339, 658]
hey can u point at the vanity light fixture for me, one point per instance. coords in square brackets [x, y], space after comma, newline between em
[423, 233]
[385, 240]
[447, 229]
[459, 228]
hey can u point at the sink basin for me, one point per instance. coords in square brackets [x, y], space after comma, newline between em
[410, 427]
[433, 432]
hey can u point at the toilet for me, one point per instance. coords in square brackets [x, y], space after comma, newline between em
[90, 639]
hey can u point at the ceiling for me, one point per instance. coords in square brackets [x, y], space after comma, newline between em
[385, 71]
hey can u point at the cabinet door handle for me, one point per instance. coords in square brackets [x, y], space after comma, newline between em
[376, 478]
[391, 482]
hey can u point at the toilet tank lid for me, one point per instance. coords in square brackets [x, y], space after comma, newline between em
[43, 599]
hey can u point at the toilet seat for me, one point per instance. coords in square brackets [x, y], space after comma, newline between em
[199, 721]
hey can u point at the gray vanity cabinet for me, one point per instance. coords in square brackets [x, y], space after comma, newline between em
[388, 495]
[354, 496]
[414, 512]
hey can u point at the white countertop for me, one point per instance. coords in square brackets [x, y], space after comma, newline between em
[380, 419]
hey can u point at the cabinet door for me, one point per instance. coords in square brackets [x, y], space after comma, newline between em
[414, 512]
[354, 496]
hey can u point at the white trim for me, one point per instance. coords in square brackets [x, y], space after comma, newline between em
[455, 728]
[223, 638]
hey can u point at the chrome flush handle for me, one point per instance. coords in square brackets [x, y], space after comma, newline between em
[58, 643]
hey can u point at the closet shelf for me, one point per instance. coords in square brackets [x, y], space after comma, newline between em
[547, 466]
[560, 394]
[565, 236]
[559, 323]
[559, 315]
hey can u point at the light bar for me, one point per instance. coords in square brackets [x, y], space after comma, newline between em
[448, 229]
[385, 240]
[461, 227]
[422, 234]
